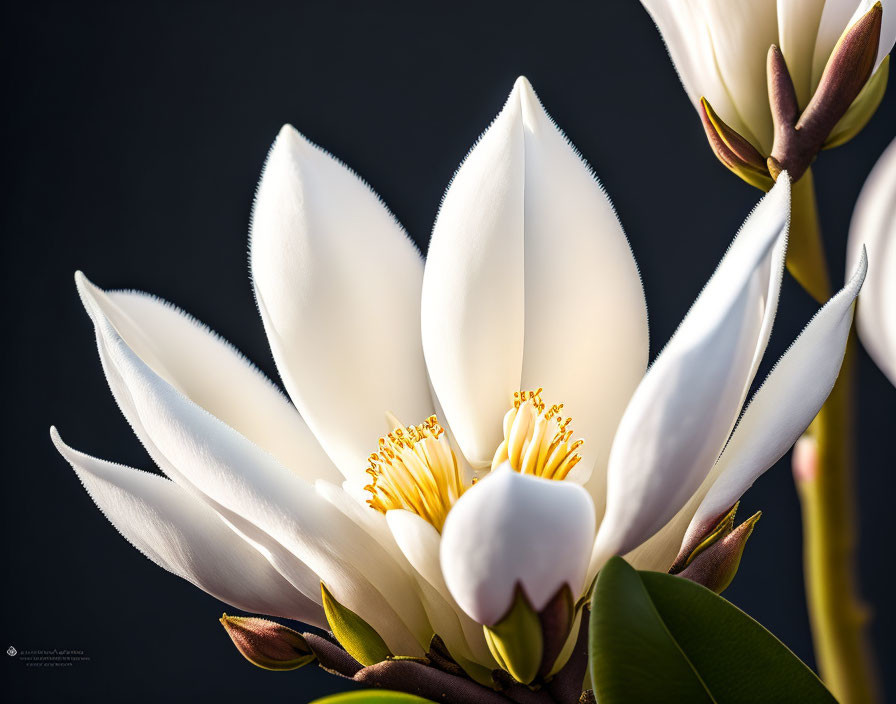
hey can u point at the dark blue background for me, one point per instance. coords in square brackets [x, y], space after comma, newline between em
[134, 137]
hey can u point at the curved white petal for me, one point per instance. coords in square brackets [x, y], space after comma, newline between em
[685, 408]
[528, 263]
[420, 543]
[874, 227]
[307, 538]
[213, 374]
[187, 538]
[798, 22]
[840, 15]
[513, 529]
[685, 27]
[786, 403]
[585, 332]
[338, 285]
[472, 305]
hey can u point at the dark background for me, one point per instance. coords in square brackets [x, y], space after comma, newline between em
[134, 137]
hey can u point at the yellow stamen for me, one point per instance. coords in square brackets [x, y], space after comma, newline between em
[415, 469]
[536, 438]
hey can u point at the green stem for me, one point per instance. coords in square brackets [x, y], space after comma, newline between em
[837, 615]
[805, 250]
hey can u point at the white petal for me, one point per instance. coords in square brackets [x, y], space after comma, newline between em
[211, 373]
[266, 503]
[187, 538]
[586, 338]
[524, 196]
[874, 226]
[683, 411]
[512, 529]
[473, 300]
[786, 403]
[420, 543]
[685, 28]
[742, 33]
[338, 286]
[798, 22]
[840, 15]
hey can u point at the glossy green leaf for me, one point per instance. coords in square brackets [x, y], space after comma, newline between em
[375, 696]
[655, 637]
[354, 634]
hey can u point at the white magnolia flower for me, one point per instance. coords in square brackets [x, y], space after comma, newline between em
[529, 284]
[719, 48]
[874, 227]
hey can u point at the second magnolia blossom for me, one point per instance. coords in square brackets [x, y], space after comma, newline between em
[827, 48]
[874, 226]
[426, 471]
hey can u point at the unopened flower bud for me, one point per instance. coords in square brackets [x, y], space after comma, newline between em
[267, 644]
[711, 558]
[716, 566]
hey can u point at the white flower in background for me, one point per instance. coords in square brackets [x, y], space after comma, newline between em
[719, 48]
[429, 528]
[873, 228]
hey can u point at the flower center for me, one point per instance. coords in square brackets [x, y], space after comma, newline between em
[415, 469]
[536, 438]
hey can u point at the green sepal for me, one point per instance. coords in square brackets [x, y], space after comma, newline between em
[374, 696]
[862, 108]
[516, 640]
[353, 633]
[656, 637]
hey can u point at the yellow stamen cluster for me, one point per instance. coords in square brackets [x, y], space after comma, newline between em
[415, 469]
[536, 438]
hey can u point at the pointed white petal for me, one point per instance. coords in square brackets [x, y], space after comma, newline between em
[685, 27]
[338, 285]
[513, 529]
[187, 538]
[528, 263]
[684, 410]
[265, 502]
[586, 338]
[210, 372]
[473, 300]
[840, 15]
[786, 403]
[874, 226]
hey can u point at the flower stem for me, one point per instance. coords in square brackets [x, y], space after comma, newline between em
[837, 615]
[805, 251]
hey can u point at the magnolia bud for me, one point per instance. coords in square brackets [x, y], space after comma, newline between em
[712, 557]
[267, 644]
[715, 566]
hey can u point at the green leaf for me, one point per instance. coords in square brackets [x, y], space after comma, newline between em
[353, 633]
[655, 637]
[380, 696]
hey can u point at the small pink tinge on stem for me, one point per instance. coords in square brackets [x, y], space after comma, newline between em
[805, 459]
